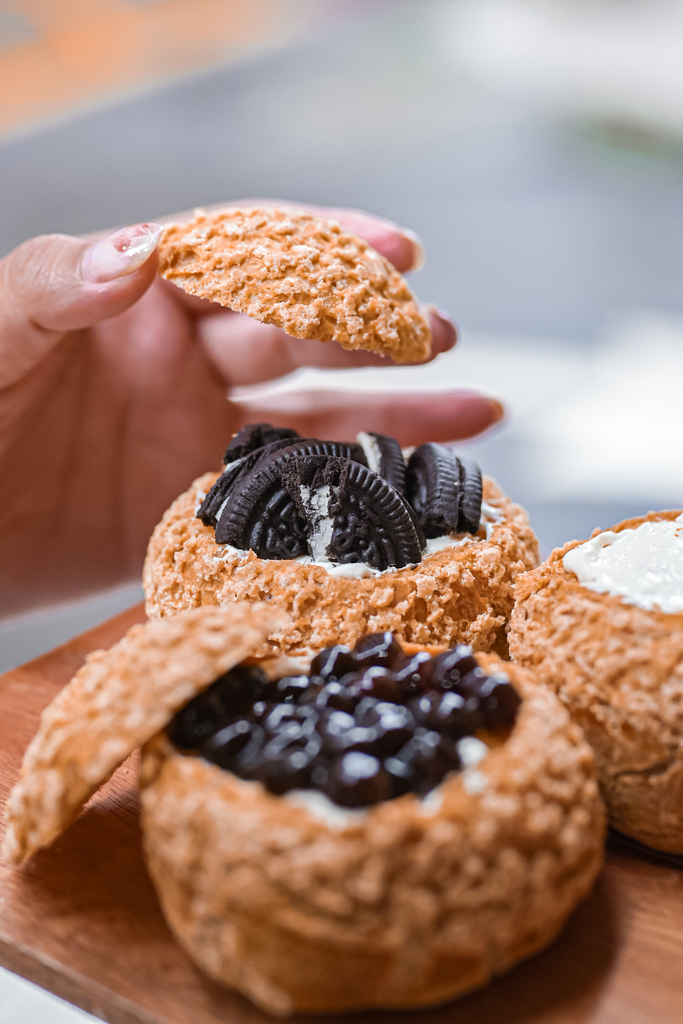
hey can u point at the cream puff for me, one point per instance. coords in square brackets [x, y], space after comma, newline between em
[601, 622]
[348, 538]
[370, 827]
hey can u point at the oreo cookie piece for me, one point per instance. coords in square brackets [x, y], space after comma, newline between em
[210, 509]
[325, 505]
[384, 456]
[471, 495]
[253, 436]
[434, 478]
[444, 490]
[286, 535]
[372, 522]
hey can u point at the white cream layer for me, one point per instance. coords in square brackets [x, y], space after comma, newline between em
[643, 566]
[317, 502]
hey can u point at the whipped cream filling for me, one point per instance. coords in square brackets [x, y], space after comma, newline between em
[642, 566]
[317, 504]
[371, 449]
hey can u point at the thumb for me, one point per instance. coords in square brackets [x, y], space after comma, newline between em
[56, 283]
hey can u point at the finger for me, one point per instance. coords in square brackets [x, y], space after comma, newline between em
[247, 352]
[55, 283]
[401, 246]
[410, 418]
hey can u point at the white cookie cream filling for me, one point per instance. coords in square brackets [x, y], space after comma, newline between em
[371, 449]
[642, 566]
[317, 504]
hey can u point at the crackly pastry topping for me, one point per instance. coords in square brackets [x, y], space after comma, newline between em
[363, 726]
[340, 503]
[642, 566]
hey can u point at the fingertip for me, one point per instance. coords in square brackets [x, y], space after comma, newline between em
[402, 248]
[444, 331]
[419, 257]
[497, 410]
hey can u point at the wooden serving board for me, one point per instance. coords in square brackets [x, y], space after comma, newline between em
[82, 918]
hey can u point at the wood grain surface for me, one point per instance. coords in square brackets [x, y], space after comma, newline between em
[82, 918]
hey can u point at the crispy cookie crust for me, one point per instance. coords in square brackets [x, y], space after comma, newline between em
[117, 701]
[619, 671]
[302, 273]
[407, 905]
[458, 595]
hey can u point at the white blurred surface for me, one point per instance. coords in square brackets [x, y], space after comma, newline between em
[602, 424]
[27, 636]
[24, 1003]
[614, 61]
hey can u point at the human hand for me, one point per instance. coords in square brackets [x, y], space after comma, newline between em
[113, 397]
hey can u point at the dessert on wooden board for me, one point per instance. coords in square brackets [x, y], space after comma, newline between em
[370, 827]
[349, 538]
[601, 622]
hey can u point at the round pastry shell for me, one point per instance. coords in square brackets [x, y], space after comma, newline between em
[619, 670]
[462, 594]
[300, 272]
[407, 904]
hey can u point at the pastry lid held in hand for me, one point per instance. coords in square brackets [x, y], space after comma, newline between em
[116, 702]
[300, 272]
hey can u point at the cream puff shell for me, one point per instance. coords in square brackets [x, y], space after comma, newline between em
[618, 669]
[461, 594]
[300, 272]
[409, 903]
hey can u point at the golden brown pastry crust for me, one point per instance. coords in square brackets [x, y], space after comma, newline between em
[458, 595]
[300, 272]
[117, 701]
[619, 670]
[410, 905]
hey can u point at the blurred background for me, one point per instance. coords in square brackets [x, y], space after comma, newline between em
[535, 145]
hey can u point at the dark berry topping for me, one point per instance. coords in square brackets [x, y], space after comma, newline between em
[333, 663]
[358, 779]
[377, 649]
[414, 672]
[365, 725]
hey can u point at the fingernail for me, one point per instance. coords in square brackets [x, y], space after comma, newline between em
[120, 253]
[497, 410]
[418, 248]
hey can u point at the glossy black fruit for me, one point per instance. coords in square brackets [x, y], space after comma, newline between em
[391, 726]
